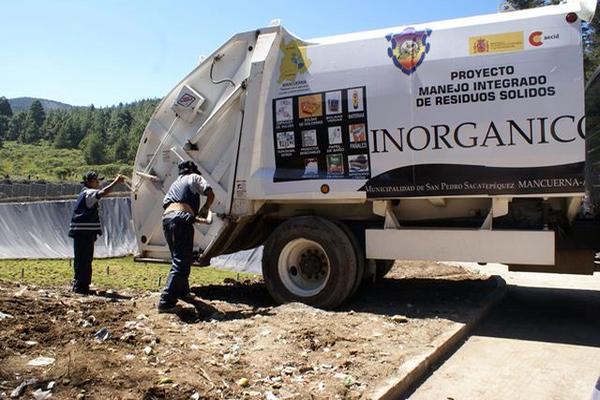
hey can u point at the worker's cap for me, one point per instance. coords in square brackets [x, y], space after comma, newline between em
[90, 175]
[185, 167]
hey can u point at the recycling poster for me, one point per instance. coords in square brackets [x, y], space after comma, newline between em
[321, 135]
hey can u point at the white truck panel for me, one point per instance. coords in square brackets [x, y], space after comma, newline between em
[510, 247]
[486, 106]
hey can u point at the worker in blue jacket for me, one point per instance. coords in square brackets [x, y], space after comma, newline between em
[181, 207]
[85, 227]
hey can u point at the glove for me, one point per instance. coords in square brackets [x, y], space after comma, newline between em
[203, 212]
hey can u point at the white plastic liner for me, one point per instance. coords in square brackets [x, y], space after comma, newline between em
[40, 229]
[243, 261]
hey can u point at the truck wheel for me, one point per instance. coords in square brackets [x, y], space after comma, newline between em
[382, 267]
[310, 260]
[360, 257]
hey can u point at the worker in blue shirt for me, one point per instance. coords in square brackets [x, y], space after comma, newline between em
[85, 227]
[181, 207]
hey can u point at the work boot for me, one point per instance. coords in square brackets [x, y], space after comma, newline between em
[202, 306]
[167, 309]
[84, 292]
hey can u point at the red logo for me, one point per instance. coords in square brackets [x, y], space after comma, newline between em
[186, 100]
[535, 39]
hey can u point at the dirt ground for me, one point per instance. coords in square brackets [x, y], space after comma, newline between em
[250, 349]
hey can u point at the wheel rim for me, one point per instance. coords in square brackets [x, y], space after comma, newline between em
[303, 267]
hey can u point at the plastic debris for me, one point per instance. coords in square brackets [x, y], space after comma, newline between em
[84, 323]
[195, 396]
[270, 396]
[5, 316]
[41, 362]
[102, 334]
[164, 381]
[42, 394]
[243, 382]
[22, 386]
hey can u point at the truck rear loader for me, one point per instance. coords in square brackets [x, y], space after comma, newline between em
[458, 140]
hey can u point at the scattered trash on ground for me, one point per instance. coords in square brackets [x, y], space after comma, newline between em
[41, 362]
[4, 316]
[22, 386]
[102, 334]
[69, 347]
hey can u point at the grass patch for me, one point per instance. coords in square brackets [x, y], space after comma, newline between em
[108, 273]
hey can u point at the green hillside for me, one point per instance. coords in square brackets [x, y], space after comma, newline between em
[44, 162]
[61, 144]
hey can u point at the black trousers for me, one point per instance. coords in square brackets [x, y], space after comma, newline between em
[83, 246]
[178, 228]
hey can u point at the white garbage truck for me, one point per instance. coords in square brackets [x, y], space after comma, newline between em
[459, 140]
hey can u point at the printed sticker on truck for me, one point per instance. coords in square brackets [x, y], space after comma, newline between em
[408, 48]
[498, 43]
[321, 136]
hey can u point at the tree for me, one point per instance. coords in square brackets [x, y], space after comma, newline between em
[4, 123]
[34, 121]
[37, 114]
[68, 135]
[16, 126]
[121, 149]
[94, 151]
[32, 132]
[523, 4]
[120, 120]
[5, 108]
[591, 50]
[135, 135]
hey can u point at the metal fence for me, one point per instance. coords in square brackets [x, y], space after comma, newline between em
[36, 191]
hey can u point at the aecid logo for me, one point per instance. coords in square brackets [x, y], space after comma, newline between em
[537, 38]
[408, 49]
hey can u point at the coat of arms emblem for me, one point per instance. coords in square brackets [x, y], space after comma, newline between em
[408, 49]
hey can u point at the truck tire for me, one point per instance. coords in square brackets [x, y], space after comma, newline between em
[360, 257]
[309, 260]
[382, 267]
